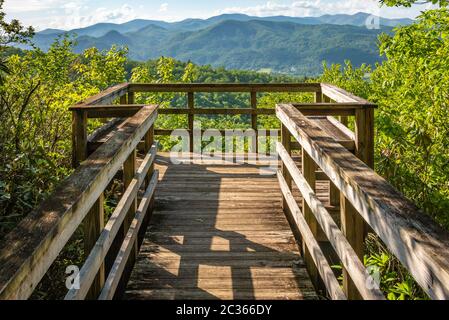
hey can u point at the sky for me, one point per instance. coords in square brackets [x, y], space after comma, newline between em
[70, 14]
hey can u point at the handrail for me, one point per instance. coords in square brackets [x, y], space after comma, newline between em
[414, 238]
[98, 254]
[30, 249]
[329, 101]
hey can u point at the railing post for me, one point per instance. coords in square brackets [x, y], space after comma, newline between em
[364, 135]
[93, 225]
[254, 118]
[191, 106]
[286, 142]
[131, 98]
[129, 171]
[123, 99]
[149, 141]
[308, 170]
[79, 137]
[318, 97]
[353, 225]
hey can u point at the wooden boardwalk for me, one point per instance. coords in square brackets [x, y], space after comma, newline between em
[218, 232]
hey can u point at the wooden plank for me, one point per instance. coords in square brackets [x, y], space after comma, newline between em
[29, 250]
[414, 238]
[219, 111]
[336, 237]
[225, 87]
[310, 242]
[128, 244]
[110, 231]
[197, 239]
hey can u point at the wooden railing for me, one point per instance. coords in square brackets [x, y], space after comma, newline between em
[364, 198]
[329, 101]
[28, 251]
[366, 201]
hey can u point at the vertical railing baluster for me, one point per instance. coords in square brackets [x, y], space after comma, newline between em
[93, 225]
[79, 137]
[191, 106]
[254, 118]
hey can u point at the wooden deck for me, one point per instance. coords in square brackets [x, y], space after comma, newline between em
[218, 232]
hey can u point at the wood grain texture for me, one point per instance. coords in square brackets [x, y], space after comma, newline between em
[413, 237]
[206, 241]
[29, 250]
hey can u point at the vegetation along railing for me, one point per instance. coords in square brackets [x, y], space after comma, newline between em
[330, 151]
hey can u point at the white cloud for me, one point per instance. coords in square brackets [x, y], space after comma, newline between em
[79, 16]
[305, 8]
[163, 7]
[21, 6]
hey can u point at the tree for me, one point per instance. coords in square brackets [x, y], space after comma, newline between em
[10, 32]
[409, 3]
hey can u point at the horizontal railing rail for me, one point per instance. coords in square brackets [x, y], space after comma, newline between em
[30, 249]
[28, 252]
[365, 197]
[330, 102]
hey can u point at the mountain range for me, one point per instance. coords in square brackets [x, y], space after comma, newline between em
[281, 44]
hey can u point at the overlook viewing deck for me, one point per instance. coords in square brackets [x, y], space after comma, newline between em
[248, 224]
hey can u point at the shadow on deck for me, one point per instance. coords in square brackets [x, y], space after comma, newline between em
[218, 232]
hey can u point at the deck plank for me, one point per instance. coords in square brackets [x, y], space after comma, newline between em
[218, 232]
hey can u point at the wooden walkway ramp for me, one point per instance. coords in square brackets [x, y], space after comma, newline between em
[218, 232]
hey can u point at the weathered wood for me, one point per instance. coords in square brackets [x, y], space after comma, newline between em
[110, 231]
[131, 98]
[79, 137]
[225, 87]
[129, 244]
[353, 227]
[414, 238]
[29, 250]
[123, 99]
[341, 96]
[336, 237]
[193, 242]
[313, 248]
[364, 136]
[191, 109]
[308, 170]
[254, 118]
[107, 96]
[93, 224]
[340, 126]
[286, 143]
[129, 172]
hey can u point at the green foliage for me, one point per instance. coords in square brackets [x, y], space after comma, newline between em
[409, 3]
[395, 281]
[412, 137]
[35, 141]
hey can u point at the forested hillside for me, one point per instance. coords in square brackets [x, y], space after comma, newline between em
[280, 44]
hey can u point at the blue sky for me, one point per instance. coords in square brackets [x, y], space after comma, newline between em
[69, 14]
